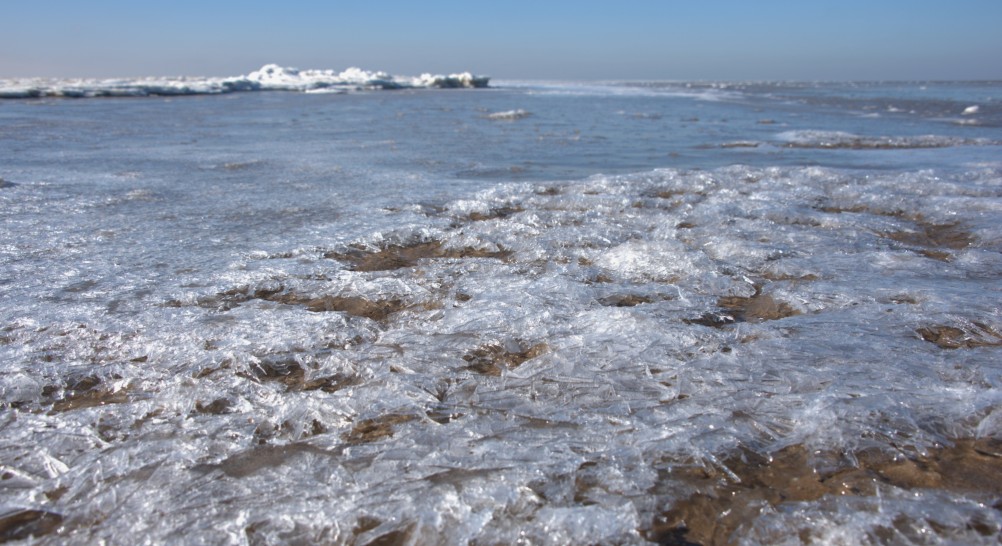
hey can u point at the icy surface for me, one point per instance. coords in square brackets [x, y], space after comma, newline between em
[336, 334]
[270, 77]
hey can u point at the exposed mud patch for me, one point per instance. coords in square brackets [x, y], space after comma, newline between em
[492, 358]
[377, 310]
[933, 240]
[625, 300]
[86, 392]
[775, 277]
[398, 257]
[371, 430]
[258, 458]
[388, 258]
[219, 406]
[291, 374]
[863, 209]
[711, 319]
[951, 337]
[494, 214]
[939, 236]
[25, 524]
[757, 308]
[373, 532]
[724, 501]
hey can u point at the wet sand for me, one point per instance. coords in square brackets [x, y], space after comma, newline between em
[727, 499]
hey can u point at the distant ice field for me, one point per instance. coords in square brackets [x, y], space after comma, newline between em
[545, 312]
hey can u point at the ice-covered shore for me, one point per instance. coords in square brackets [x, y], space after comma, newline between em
[270, 77]
[809, 352]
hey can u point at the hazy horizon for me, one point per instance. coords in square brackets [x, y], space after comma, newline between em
[632, 40]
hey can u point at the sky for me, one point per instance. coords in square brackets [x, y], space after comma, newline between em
[513, 39]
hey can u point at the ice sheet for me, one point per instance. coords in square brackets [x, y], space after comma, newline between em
[530, 362]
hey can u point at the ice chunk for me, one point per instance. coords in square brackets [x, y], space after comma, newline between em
[270, 77]
[509, 115]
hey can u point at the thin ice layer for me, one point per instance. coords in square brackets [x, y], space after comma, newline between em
[555, 363]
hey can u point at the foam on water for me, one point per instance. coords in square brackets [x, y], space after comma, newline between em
[270, 77]
[532, 362]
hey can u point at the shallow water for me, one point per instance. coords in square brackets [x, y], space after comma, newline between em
[542, 312]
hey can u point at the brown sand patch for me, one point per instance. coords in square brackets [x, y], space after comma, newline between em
[934, 238]
[444, 415]
[771, 276]
[219, 406]
[28, 523]
[257, 458]
[950, 337]
[624, 300]
[377, 310]
[494, 214]
[667, 194]
[285, 371]
[599, 278]
[388, 258]
[401, 256]
[937, 236]
[757, 308]
[724, 501]
[713, 320]
[394, 537]
[331, 383]
[291, 374]
[863, 209]
[86, 392]
[490, 359]
[371, 430]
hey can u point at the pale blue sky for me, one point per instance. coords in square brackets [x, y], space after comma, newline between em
[515, 39]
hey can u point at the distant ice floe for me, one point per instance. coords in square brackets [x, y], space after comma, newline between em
[270, 77]
[850, 141]
[509, 115]
[971, 110]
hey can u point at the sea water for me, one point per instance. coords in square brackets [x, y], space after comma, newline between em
[517, 314]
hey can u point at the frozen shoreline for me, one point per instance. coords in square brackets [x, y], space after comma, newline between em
[614, 368]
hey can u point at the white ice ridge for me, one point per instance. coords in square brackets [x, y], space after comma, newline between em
[270, 77]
